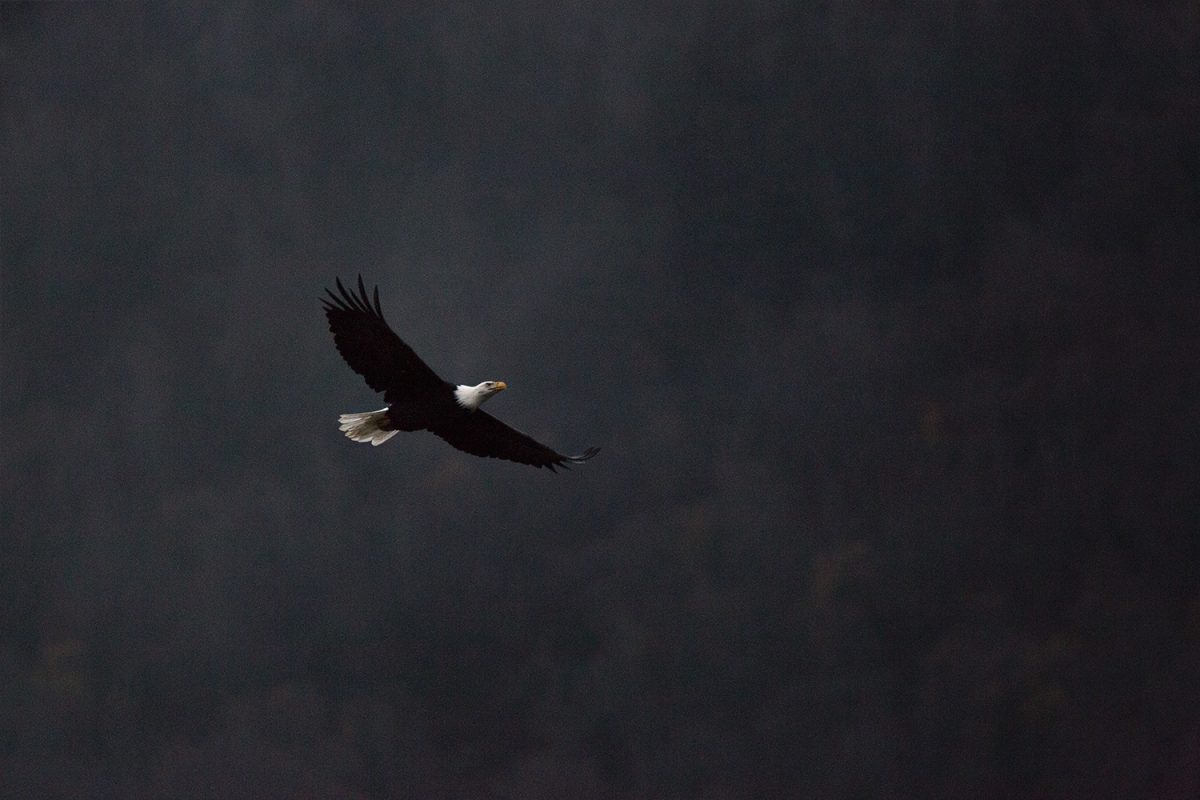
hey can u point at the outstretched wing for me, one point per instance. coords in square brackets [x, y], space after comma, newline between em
[481, 434]
[372, 349]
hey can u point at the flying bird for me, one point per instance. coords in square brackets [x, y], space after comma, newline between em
[419, 400]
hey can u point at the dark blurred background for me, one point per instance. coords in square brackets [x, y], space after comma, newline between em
[886, 316]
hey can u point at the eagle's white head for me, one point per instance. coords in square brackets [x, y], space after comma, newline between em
[472, 397]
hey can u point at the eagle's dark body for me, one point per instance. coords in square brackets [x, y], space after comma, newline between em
[434, 410]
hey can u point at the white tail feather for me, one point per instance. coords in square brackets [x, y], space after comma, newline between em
[364, 426]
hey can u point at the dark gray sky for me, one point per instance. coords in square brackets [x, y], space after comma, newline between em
[884, 315]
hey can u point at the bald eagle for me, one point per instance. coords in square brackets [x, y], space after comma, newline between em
[418, 400]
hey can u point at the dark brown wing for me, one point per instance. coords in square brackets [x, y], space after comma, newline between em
[481, 434]
[372, 349]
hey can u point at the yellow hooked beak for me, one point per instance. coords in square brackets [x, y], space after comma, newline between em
[501, 386]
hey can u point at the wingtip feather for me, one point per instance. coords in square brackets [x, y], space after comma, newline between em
[566, 461]
[353, 300]
[584, 456]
